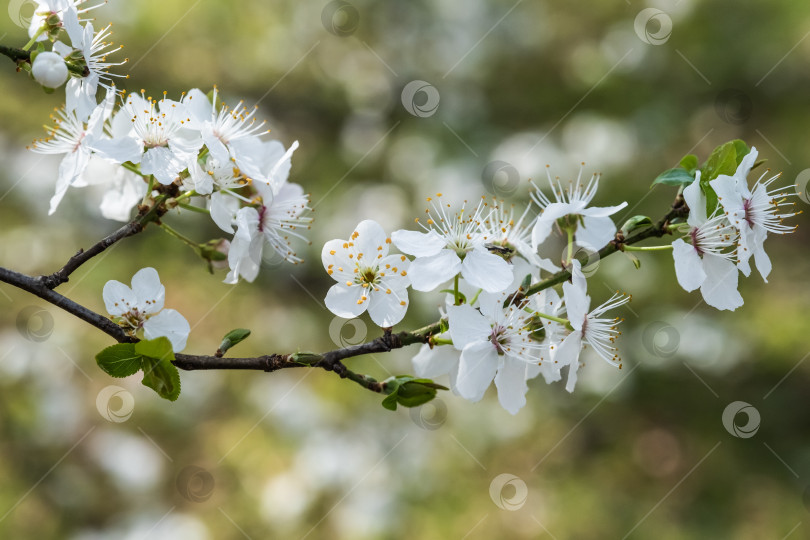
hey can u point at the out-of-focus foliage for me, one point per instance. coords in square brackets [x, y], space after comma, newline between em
[304, 454]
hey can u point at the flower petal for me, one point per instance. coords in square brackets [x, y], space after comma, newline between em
[511, 384]
[486, 271]
[688, 265]
[546, 220]
[720, 288]
[149, 292]
[387, 309]
[568, 355]
[418, 244]
[427, 273]
[432, 362]
[118, 298]
[476, 369]
[467, 325]
[595, 232]
[369, 240]
[696, 201]
[171, 324]
[602, 211]
[346, 301]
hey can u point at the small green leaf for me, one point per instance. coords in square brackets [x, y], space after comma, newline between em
[162, 377]
[119, 360]
[306, 358]
[635, 260]
[634, 223]
[674, 177]
[232, 338]
[690, 163]
[723, 160]
[159, 348]
[526, 283]
[390, 402]
[741, 150]
[758, 163]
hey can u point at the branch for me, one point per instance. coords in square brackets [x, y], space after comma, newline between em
[132, 228]
[16, 55]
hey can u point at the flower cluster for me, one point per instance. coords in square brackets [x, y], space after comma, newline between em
[192, 149]
[714, 248]
[483, 255]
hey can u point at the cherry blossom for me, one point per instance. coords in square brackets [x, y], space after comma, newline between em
[367, 277]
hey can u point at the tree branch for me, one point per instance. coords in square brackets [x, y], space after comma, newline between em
[42, 286]
[16, 55]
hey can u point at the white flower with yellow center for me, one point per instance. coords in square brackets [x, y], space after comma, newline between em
[141, 308]
[452, 244]
[367, 277]
[155, 134]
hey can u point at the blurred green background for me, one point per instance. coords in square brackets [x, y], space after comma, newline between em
[637, 453]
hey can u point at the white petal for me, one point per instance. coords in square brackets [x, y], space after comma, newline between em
[693, 195]
[486, 271]
[688, 265]
[577, 304]
[346, 301]
[198, 106]
[476, 369]
[149, 292]
[761, 258]
[394, 279]
[511, 384]
[171, 324]
[126, 191]
[202, 181]
[119, 150]
[720, 288]
[545, 222]
[467, 325]
[244, 258]
[726, 188]
[602, 211]
[434, 362]
[162, 163]
[418, 244]
[568, 355]
[595, 232]
[427, 273]
[223, 209]
[369, 240]
[386, 310]
[118, 298]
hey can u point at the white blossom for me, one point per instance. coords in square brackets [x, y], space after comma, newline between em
[367, 277]
[49, 69]
[707, 258]
[452, 244]
[141, 307]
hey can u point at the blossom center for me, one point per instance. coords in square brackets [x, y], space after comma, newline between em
[498, 338]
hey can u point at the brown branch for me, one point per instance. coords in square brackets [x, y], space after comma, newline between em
[16, 55]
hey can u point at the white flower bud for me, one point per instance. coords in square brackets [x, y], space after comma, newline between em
[49, 69]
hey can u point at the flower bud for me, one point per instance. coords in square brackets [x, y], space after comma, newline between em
[49, 69]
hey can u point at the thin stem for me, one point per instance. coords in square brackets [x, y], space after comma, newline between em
[194, 208]
[185, 239]
[560, 320]
[475, 298]
[667, 247]
[34, 39]
[132, 167]
[455, 291]
[570, 256]
[441, 341]
[149, 186]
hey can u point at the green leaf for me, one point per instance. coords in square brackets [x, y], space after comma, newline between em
[120, 360]
[635, 260]
[409, 391]
[741, 150]
[690, 163]
[723, 160]
[634, 223]
[162, 377]
[159, 348]
[526, 283]
[232, 338]
[675, 177]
